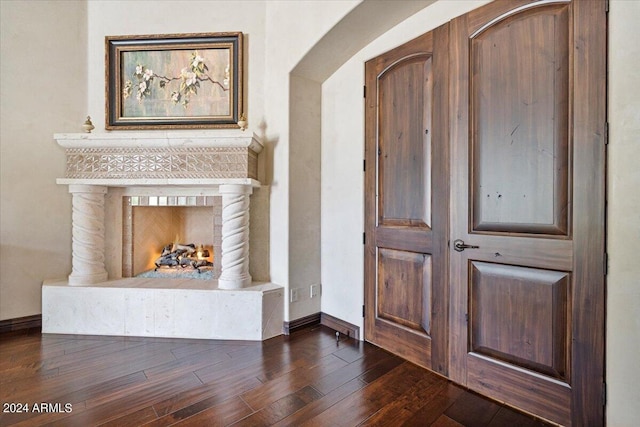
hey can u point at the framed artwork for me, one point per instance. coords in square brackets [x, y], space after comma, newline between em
[174, 81]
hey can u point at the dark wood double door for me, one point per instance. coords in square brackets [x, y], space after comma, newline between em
[484, 204]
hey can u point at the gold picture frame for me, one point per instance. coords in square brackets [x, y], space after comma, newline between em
[174, 81]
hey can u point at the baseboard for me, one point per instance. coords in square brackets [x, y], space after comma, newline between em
[340, 325]
[324, 319]
[21, 323]
[303, 322]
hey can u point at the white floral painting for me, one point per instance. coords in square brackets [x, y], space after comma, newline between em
[190, 81]
[176, 83]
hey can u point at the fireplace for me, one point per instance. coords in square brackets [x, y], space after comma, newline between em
[134, 194]
[192, 226]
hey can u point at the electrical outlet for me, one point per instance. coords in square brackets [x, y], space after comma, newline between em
[314, 290]
[294, 295]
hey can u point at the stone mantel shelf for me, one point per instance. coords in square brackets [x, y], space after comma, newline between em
[173, 183]
[150, 158]
[158, 139]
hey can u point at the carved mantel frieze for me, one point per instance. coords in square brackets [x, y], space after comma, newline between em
[160, 156]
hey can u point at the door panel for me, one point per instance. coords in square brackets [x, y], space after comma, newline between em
[520, 316]
[536, 394]
[519, 123]
[404, 164]
[404, 289]
[527, 125]
[406, 200]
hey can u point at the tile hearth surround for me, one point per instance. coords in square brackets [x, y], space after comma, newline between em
[209, 163]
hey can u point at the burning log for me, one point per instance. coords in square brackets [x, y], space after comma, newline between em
[174, 255]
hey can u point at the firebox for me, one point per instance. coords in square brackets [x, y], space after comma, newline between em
[172, 236]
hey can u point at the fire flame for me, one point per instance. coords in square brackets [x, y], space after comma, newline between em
[175, 243]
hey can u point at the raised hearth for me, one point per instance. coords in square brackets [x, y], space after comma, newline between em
[170, 308]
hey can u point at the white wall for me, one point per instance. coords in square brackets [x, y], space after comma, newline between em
[304, 195]
[43, 90]
[623, 233]
[292, 29]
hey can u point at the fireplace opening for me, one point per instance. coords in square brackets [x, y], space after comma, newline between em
[172, 237]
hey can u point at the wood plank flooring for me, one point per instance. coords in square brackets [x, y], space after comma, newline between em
[306, 379]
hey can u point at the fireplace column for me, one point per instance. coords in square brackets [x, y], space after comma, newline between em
[87, 230]
[235, 236]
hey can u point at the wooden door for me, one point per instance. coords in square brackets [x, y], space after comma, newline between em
[528, 91]
[406, 200]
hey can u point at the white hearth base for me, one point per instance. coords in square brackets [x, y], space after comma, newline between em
[170, 308]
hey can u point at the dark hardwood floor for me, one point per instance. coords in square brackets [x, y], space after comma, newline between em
[306, 379]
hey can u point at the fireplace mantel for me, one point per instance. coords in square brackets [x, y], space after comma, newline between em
[220, 162]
